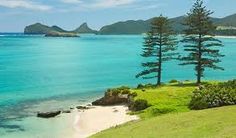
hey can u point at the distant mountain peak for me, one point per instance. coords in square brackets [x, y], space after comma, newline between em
[84, 29]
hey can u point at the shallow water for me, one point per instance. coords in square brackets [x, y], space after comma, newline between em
[38, 73]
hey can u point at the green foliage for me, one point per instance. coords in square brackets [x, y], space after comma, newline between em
[138, 105]
[173, 81]
[117, 91]
[199, 41]
[214, 95]
[159, 47]
[146, 86]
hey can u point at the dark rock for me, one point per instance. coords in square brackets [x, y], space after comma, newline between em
[112, 100]
[48, 114]
[60, 34]
[66, 111]
[82, 107]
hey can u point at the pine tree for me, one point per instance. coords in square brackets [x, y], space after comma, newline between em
[159, 46]
[199, 40]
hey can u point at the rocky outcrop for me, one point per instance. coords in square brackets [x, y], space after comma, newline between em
[59, 34]
[48, 114]
[112, 99]
[82, 107]
[84, 29]
[121, 95]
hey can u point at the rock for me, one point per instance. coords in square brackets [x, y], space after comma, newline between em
[84, 29]
[60, 34]
[82, 107]
[112, 100]
[48, 114]
[66, 111]
[115, 111]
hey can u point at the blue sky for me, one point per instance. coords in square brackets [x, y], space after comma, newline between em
[69, 14]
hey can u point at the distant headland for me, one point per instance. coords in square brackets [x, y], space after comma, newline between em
[225, 26]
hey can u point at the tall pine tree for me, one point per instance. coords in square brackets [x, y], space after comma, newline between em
[159, 46]
[199, 40]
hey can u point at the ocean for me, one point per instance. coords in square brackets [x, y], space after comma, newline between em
[39, 73]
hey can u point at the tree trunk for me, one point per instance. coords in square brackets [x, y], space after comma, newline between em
[199, 66]
[160, 62]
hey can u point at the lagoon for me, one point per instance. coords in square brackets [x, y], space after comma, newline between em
[38, 73]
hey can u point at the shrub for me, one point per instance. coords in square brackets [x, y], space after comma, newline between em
[146, 86]
[214, 95]
[173, 81]
[138, 105]
[117, 91]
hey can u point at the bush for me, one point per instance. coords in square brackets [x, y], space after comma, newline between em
[146, 86]
[214, 95]
[173, 81]
[138, 105]
[117, 91]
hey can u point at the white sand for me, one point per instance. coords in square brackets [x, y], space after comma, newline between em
[92, 121]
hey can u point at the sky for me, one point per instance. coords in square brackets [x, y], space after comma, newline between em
[70, 14]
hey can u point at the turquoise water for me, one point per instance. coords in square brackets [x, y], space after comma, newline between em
[59, 72]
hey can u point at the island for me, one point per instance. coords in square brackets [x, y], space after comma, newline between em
[61, 34]
[55, 31]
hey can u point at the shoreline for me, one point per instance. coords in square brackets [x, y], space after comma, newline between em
[96, 119]
[87, 124]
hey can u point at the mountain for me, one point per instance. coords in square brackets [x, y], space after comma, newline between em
[225, 26]
[141, 26]
[177, 24]
[127, 27]
[84, 29]
[39, 28]
[53, 31]
[227, 21]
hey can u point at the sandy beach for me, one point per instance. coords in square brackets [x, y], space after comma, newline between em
[98, 118]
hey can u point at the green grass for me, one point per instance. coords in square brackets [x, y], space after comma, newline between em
[166, 99]
[169, 116]
[210, 123]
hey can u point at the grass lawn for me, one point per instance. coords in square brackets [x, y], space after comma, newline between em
[210, 123]
[166, 99]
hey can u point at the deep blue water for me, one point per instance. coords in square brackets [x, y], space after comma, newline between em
[36, 69]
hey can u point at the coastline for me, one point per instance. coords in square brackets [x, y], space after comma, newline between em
[98, 118]
[87, 122]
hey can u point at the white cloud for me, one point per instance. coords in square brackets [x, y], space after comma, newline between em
[72, 1]
[99, 4]
[110, 3]
[24, 4]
